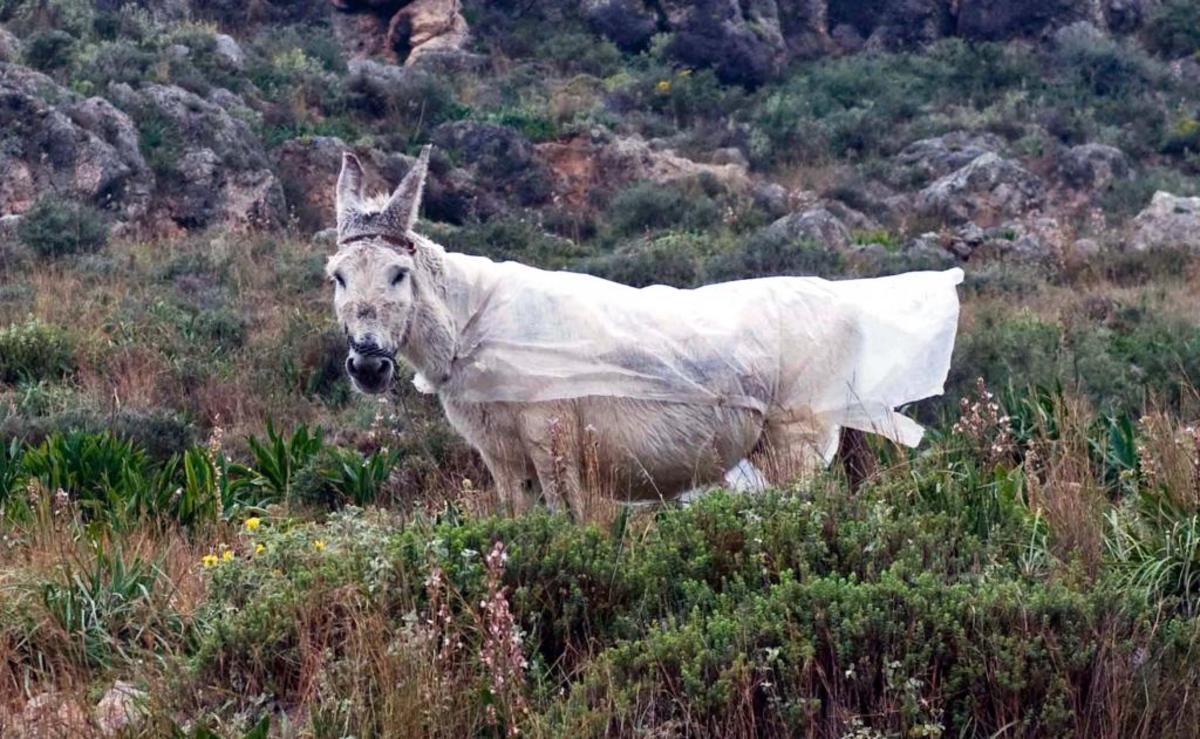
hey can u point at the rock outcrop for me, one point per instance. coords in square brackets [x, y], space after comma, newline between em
[938, 156]
[985, 191]
[1093, 166]
[401, 31]
[54, 141]
[1169, 222]
[588, 169]
[209, 167]
[818, 225]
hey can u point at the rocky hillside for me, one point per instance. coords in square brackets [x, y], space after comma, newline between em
[807, 135]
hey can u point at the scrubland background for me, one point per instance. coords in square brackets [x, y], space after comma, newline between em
[204, 532]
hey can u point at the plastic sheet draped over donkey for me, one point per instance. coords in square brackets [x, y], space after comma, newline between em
[670, 387]
[795, 349]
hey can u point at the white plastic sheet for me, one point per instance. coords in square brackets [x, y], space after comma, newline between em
[837, 353]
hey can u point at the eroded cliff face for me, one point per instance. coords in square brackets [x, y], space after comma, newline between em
[402, 32]
[748, 41]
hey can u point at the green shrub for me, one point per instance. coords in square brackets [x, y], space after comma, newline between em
[1173, 29]
[35, 351]
[98, 65]
[55, 227]
[766, 255]
[647, 206]
[1106, 67]
[511, 238]
[107, 605]
[49, 50]
[275, 462]
[11, 475]
[668, 260]
[160, 432]
[105, 476]
[335, 478]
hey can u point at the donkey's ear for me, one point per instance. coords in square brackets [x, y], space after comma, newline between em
[349, 188]
[401, 211]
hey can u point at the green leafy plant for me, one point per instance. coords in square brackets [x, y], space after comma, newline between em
[34, 351]
[55, 227]
[103, 603]
[276, 461]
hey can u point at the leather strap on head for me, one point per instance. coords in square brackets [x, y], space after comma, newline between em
[394, 241]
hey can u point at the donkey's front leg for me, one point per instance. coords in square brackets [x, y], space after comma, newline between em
[515, 497]
[554, 450]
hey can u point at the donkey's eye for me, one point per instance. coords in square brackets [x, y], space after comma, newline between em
[337, 277]
[399, 277]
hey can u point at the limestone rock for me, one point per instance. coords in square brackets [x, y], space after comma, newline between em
[994, 20]
[1170, 221]
[1093, 166]
[120, 709]
[229, 51]
[54, 141]
[818, 225]
[589, 168]
[941, 155]
[986, 190]
[212, 168]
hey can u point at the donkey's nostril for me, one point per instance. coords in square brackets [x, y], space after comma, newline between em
[350, 365]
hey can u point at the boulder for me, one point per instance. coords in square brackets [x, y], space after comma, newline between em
[741, 40]
[10, 46]
[1170, 221]
[588, 169]
[228, 50]
[121, 708]
[211, 169]
[428, 26]
[892, 24]
[805, 28]
[941, 155]
[1092, 166]
[818, 225]
[54, 141]
[499, 158]
[400, 31]
[996, 20]
[627, 23]
[984, 191]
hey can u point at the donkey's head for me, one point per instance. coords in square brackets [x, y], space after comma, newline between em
[374, 271]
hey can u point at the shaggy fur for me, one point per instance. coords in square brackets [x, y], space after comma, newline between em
[390, 293]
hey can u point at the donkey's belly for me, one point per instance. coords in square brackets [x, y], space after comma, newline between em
[652, 449]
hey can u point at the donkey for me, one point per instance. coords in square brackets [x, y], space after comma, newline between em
[400, 296]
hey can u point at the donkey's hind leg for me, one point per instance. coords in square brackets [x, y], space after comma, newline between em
[794, 450]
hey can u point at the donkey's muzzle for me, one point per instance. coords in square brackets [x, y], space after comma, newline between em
[370, 366]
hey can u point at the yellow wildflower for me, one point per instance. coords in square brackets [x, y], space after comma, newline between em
[253, 523]
[209, 560]
[277, 572]
[319, 545]
[663, 86]
[259, 548]
[227, 555]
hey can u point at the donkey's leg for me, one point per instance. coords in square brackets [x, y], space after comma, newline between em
[794, 450]
[510, 480]
[552, 433]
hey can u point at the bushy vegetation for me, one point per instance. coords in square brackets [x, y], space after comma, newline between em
[987, 582]
[54, 227]
[192, 499]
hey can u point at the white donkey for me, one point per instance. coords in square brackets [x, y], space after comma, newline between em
[553, 376]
